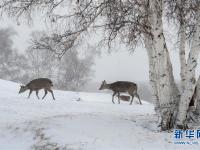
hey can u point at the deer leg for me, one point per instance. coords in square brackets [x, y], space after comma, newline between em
[136, 94]
[113, 97]
[45, 93]
[37, 94]
[132, 99]
[118, 97]
[29, 93]
[51, 93]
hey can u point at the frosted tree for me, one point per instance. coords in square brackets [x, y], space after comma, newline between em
[186, 15]
[6, 50]
[11, 63]
[74, 71]
[41, 61]
[69, 72]
[134, 22]
[18, 68]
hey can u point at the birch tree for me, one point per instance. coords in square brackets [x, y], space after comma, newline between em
[186, 14]
[133, 22]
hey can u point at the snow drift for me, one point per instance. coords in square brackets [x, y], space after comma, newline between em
[77, 121]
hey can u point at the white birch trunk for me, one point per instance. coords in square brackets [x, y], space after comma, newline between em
[167, 90]
[182, 55]
[190, 79]
[197, 111]
[152, 73]
[193, 116]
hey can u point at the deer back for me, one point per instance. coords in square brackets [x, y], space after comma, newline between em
[40, 83]
[123, 86]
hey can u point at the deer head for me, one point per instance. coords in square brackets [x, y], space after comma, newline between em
[22, 88]
[103, 86]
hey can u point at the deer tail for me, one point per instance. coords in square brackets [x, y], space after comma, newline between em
[136, 88]
[51, 83]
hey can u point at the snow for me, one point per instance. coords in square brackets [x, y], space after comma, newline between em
[78, 121]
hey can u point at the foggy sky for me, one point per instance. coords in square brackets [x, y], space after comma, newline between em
[117, 65]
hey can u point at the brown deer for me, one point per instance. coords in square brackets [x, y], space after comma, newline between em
[124, 97]
[36, 85]
[121, 86]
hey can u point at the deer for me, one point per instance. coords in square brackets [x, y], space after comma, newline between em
[121, 86]
[36, 85]
[124, 97]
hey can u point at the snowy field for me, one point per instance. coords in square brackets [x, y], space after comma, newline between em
[78, 121]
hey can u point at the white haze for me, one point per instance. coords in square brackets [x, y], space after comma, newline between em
[117, 65]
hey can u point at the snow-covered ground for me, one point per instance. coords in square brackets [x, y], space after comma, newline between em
[78, 121]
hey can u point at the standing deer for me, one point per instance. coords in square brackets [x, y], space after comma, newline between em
[121, 86]
[36, 85]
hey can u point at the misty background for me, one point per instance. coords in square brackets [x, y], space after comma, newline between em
[115, 64]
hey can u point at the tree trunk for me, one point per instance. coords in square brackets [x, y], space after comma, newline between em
[197, 96]
[152, 74]
[166, 89]
[187, 94]
[182, 58]
[193, 116]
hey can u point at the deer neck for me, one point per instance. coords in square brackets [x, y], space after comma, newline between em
[107, 86]
[27, 86]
